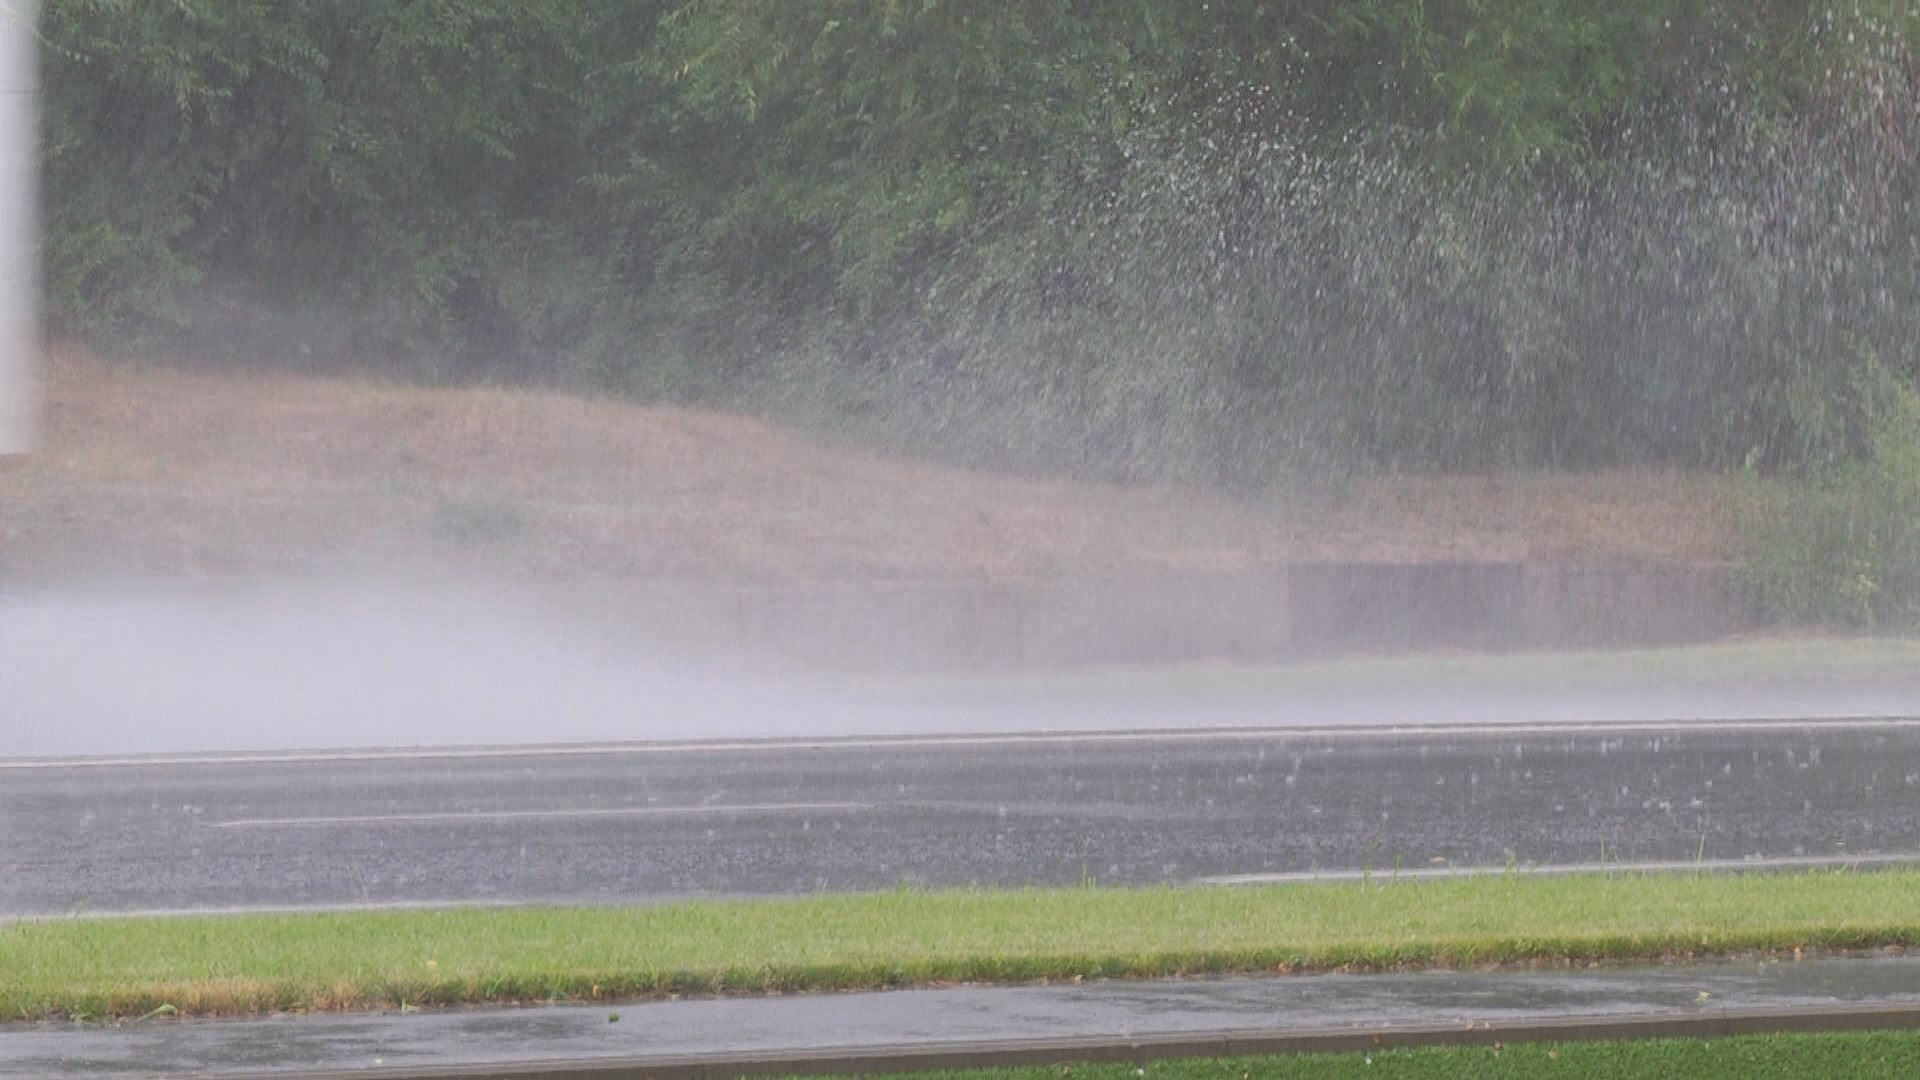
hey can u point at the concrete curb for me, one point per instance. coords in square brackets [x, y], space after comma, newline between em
[1719, 1023]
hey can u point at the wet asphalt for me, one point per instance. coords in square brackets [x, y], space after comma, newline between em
[655, 822]
[665, 1033]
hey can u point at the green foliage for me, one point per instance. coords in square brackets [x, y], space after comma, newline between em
[1840, 543]
[308, 178]
[1133, 239]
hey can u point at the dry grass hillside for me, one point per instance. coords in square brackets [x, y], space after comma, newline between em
[166, 472]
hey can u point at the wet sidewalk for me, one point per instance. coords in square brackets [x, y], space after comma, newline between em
[1070, 1021]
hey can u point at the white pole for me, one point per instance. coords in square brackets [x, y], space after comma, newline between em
[19, 227]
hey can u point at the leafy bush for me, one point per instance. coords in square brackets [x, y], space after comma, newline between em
[1840, 544]
[1152, 240]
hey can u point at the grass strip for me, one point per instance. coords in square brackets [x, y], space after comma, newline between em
[253, 963]
[1744, 1057]
[1835, 661]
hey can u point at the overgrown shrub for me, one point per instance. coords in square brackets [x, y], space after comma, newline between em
[1147, 240]
[1839, 543]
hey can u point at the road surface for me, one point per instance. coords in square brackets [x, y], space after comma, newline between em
[652, 822]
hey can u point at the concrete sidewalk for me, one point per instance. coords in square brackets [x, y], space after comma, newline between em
[948, 1027]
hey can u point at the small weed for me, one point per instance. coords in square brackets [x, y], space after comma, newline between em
[471, 520]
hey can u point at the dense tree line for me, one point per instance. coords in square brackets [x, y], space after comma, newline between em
[1125, 237]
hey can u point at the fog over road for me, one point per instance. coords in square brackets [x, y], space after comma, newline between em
[313, 748]
[117, 672]
[641, 823]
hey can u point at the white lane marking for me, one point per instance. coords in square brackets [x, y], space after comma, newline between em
[449, 904]
[1717, 866]
[541, 815]
[880, 742]
[1302, 878]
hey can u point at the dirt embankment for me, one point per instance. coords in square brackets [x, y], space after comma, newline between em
[164, 472]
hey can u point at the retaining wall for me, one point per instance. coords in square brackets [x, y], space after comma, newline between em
[1282, 612]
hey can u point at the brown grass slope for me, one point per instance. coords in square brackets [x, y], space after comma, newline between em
[165, 471]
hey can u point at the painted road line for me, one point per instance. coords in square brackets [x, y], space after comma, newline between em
[1673, 866]
[1424, 873]
[472, 816]
[356, 907]
[1355, 733]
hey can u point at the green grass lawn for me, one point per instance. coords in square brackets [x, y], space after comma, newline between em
[1746, 1057]
[1839, 661]
[240, 964]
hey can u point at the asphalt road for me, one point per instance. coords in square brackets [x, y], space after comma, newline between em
[639, 823]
